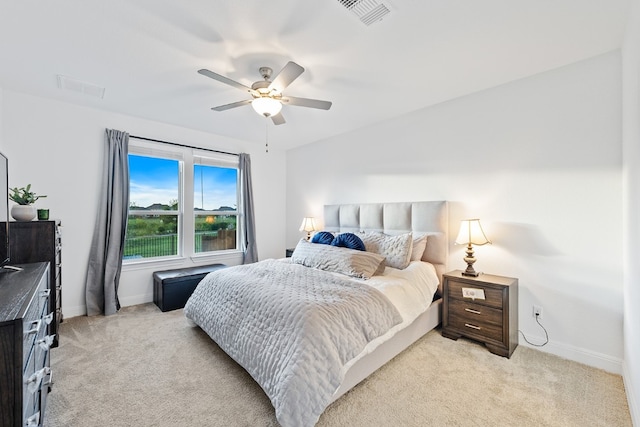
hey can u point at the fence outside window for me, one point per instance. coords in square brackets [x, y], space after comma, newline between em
[167, 244]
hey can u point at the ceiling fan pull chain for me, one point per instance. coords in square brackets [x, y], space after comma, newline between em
[266, 133]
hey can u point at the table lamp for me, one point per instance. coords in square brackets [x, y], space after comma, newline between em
[308, 225]
[471, 233]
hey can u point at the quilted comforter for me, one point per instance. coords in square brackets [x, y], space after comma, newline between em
[292, 328]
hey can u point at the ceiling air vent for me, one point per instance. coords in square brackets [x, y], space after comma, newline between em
[368, 11]
[69, 83]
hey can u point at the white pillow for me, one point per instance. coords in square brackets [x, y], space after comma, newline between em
[395, 249]
[418, 247]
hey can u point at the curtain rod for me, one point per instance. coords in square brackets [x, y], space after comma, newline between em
[183, 145]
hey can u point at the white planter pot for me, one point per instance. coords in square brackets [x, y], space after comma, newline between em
[23, 212]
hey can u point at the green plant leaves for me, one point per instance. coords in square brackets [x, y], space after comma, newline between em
[23, 195]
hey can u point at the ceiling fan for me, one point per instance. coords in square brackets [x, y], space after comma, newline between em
[266, 95]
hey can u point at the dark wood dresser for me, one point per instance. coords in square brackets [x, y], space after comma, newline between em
[25, 372]
[41, 241]
[483, 308]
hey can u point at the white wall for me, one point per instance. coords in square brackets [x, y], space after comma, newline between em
[1, 144]
[58, 148]
[631, 180]
[538, 160]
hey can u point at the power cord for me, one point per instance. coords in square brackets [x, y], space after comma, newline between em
[545, 334]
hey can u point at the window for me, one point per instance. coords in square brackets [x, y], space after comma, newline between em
[215, 195]
[182, 202]
[154, 208]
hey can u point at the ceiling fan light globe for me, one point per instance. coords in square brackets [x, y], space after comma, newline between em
[266, 106]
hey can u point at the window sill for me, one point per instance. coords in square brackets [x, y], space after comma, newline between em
[233, 257]
[226, 257]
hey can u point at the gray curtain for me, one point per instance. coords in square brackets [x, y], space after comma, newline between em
[105, 258]
[249, 223]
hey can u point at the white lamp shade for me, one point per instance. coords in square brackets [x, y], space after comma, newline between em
[266, 106]
[308, 224]
[471, 232]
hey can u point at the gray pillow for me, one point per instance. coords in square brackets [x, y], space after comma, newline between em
[337, 259]
[395, 249]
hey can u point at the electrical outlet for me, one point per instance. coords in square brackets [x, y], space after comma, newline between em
[537, 311]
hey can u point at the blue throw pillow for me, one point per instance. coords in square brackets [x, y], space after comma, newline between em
[322, 237]
[348, 240]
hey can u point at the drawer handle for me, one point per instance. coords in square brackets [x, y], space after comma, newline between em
[35, 327]
[34, 381]
[472, 311]
[49, 382]
[33, 420]
[46, 342]
[48, 318]
[468, 325]
[45, 293]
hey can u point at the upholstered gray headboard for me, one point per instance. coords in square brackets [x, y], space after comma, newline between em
[431, 218]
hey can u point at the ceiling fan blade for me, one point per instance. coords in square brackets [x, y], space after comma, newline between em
[232, 105]
[288, 74]
[306, 102]
[226, 80]
[278, 119]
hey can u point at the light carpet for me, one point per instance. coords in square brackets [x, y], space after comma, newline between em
[143, 367]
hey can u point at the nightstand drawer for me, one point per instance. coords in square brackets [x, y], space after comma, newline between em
[476, 318]
[475, 312]
[475, 328]
[493, 297]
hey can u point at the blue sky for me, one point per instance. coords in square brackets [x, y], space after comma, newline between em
[154, 180]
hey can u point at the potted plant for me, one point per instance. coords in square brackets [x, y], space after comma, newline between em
[24, 198]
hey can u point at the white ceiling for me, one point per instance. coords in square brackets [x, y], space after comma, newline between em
[146, 54]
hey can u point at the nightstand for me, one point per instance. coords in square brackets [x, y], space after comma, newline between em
[483, 308]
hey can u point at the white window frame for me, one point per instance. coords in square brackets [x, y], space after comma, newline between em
[187, 158]
[208, 158]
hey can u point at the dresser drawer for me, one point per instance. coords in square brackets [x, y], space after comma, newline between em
[31, 329]
[28, 398]
[36, 388]
[492, 297]
[58, 259]
[476, 319]
[29, 404]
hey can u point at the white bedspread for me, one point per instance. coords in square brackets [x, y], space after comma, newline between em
[410, 290]
[293, 328]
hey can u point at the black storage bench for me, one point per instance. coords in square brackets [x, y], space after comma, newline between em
[172, 288]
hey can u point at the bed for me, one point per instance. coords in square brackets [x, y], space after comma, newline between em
[310, 328]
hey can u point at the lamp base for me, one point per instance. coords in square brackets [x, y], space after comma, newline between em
[470, 259]
[472, 274]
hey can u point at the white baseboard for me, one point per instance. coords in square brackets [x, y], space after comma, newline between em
[69, 312]
[632, 396]
[81, 310]
[135, 299]
[581, 355]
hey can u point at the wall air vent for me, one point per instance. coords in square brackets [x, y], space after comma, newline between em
[368, 11]
[69, 83]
